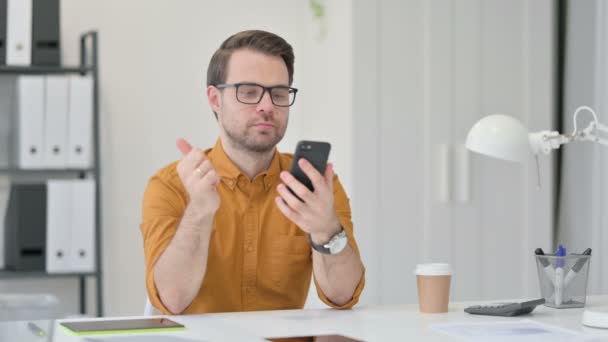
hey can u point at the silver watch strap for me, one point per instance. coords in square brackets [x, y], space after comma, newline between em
[321, 248]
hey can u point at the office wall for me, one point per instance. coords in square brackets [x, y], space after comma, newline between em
[153, 59]
[582, 214]
[425, 72]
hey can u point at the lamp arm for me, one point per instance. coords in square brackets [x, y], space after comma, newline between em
[546, 141]
[577, 111]
[591, 133]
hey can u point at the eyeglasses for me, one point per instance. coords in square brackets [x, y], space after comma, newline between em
[252, 93]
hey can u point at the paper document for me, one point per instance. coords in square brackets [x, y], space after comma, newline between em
[521, 331]
[141, 338]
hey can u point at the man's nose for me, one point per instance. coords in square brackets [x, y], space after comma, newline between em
[265, 104]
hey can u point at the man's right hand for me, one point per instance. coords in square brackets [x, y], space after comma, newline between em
[185, 258]
[199, 178]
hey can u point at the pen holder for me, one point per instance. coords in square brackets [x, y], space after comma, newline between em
[563, 279]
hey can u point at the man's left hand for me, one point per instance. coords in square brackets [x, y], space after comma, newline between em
[315, 213]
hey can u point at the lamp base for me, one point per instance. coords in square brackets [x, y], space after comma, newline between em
[597, 318]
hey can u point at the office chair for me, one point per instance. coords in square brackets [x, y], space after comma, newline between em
[150, 310]
[23, 306]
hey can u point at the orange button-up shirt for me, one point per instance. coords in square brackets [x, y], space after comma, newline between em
[258, 259]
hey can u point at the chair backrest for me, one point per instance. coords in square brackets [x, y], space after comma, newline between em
[150, 310]
[22, 306]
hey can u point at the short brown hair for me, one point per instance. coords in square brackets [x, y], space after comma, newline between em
[260, 41]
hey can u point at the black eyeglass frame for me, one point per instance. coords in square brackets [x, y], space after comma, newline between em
[264, 90]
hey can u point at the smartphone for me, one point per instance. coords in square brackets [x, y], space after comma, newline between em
[317, 338]
[316, 152]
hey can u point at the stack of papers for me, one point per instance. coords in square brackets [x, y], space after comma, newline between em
[521, 331]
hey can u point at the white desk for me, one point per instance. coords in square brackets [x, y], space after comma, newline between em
[390, 323]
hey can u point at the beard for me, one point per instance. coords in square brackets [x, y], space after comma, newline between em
[251, 141]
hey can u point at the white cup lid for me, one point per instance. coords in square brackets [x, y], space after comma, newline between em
[433, 269]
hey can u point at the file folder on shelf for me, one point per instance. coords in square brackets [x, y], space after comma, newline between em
[4, 193]
[45, 33]
[80, 118]
[7, 126]
[56, 122]
[3, 18]
[30, 121]
[70, 236]
[58, 228]
[82, 250]
[19, 32]
[25, 227]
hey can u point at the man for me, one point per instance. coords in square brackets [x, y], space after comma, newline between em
[221, 230]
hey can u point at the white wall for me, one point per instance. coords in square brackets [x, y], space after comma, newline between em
[153, 60]
[425, 72]
[583, 216]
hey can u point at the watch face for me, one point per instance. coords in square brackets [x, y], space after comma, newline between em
[338, 243]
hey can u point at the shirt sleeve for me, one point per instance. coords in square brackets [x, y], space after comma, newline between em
[162, 209]
[341, 203]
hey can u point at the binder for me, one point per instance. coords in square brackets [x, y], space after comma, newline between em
[25, 227]
[80, 122]
[58, 226]
[4, 193]
[82, 250]
[19, 32]
[56, 122]
[7, 126]
[3, 17]
[30, 117]
[45, 33]
[70, 230]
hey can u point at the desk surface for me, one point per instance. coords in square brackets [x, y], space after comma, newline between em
[373, 323]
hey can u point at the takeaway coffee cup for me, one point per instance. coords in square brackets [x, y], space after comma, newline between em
[433, 282]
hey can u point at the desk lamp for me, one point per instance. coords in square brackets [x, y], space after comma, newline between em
[504, 137]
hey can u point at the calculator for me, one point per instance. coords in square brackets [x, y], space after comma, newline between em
[505, 309]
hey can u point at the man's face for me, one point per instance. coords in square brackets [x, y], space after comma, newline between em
[251, 127]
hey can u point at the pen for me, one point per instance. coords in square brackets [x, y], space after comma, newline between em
[577, 267]
[546, 264]
[559, 275]
[36, 330]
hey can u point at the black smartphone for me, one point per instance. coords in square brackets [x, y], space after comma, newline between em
[316, 152]
[318, 338]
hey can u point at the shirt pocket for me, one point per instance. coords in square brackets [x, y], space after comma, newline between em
[290, 263]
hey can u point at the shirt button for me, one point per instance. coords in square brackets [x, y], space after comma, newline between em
[250, 248]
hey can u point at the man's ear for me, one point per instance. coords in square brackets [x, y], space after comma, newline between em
[214, 97]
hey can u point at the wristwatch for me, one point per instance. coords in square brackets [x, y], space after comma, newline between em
[335, 245]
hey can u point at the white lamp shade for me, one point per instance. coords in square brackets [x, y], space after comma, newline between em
[500, 136]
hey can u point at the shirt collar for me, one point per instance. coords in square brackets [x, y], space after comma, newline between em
[229, 173]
